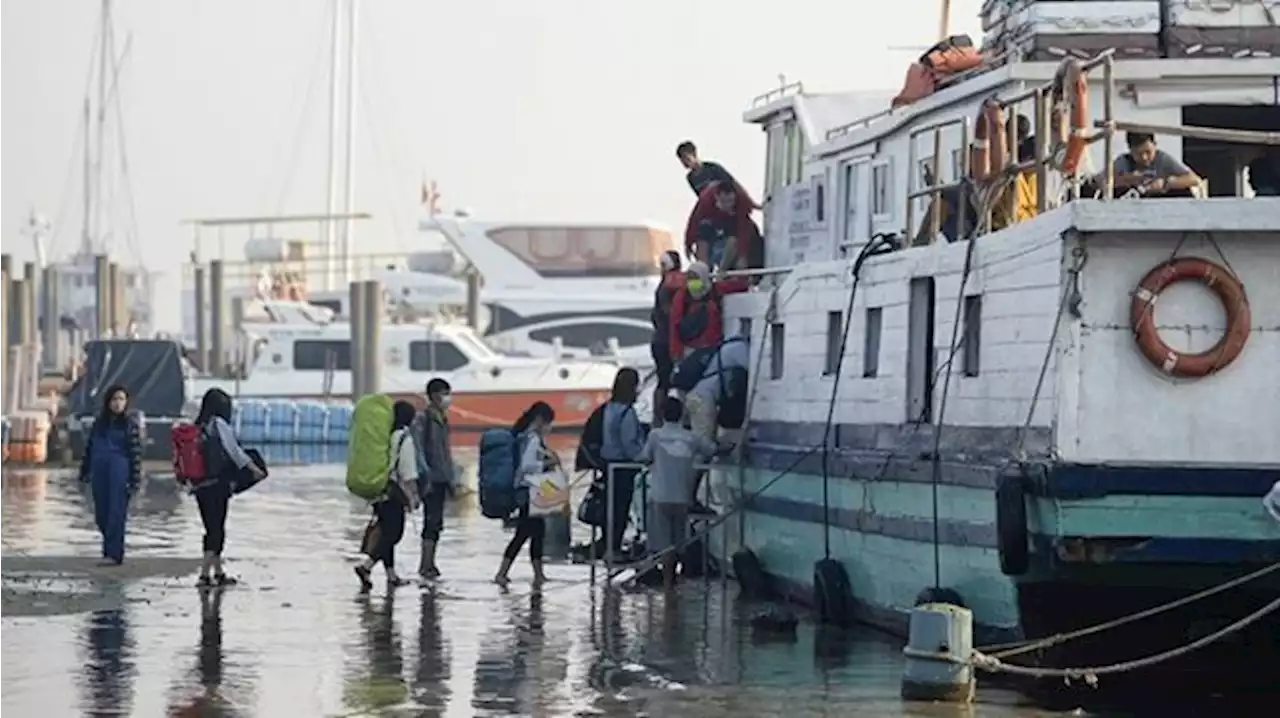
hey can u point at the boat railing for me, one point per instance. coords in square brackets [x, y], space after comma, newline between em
[857, 124]
[786, 90]
[1044, 157]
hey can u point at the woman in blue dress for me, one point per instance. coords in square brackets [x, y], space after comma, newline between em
[112, 466]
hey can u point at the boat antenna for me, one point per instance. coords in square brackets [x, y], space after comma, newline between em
[944, 22]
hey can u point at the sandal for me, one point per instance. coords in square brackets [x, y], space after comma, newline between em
[397, 582]
[223, 579]
[362, 573]
[205, 582]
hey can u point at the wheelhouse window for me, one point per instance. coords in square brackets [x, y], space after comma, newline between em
[435, 356]
[880, 179]
[594, 335]
[320, 355]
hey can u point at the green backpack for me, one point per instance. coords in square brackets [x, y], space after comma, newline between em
[369, 446]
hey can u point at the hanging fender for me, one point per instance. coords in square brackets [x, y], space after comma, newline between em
[1221, 282]
[1070, 102]
[1012, 532]
[832, 593]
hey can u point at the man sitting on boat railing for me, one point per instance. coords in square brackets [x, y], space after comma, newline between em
[1149, 171]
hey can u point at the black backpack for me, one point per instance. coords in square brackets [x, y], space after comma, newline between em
[591, 442]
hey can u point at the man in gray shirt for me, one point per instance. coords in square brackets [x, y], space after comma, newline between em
[1152, 171]
[672, 451]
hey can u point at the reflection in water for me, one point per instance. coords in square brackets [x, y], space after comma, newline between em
[383, 686]
[431, 682]
[109, 668]
[219, 694]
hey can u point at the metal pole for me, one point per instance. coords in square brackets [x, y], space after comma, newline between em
[102, 119]
[29, 285]
[1109, 133]
[239, 351]
[372, 330]
[217, 323]
[608, 525]
[120, 302]
[202, 317]
[331, 201]
[348, 225]
[356, 324]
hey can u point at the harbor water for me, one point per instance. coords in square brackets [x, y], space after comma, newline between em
[296, 638]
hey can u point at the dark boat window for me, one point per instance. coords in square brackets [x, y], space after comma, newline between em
[586, 335]
[319, 355]
[435, 356]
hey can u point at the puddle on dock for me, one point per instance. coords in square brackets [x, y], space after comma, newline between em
[295, 638]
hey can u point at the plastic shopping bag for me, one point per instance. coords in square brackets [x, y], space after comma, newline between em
[548, 493]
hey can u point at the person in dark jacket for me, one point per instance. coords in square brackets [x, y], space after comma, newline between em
[213, 496]
[701, 174]
[431, 435]
[112, 466]
[623, 441]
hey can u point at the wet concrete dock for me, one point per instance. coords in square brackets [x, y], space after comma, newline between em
[296, 639]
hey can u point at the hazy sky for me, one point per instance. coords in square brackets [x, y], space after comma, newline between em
[556, 110]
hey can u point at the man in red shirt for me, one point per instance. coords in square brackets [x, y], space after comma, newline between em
[697, 317]
[720, 227]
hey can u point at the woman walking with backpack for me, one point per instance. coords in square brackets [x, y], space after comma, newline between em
[387, 527]
[112, 466]
[226, 462]
[531, 430]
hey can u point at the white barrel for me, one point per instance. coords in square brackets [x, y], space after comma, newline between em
[938, 654]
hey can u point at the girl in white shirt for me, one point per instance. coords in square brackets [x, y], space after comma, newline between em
[387, 527]
[532, 429]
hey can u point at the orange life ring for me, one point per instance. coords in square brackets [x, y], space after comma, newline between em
[1223, 283]
[986, 130]
[1070, 85]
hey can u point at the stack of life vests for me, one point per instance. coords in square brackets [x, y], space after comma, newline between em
[952, 56]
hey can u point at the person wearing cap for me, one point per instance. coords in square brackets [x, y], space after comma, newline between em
[697, 312]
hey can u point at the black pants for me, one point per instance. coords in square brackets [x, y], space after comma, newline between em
[624, 487]
[385, 532]
[212, 501]
[528, 528]
[433, 513]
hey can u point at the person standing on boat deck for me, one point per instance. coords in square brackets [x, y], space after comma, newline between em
[673, 451]
[532, 429]
[213, 496]
[1264, 173]
[697, 318]
[112, 466]
[703, 401]
[700, 173]
[401, 496]
[660, 344]
[623, 442]
[1152, 171]
[430, 432]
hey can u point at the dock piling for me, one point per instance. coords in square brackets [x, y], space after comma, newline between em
[938, 655]
[6, 298]
[51, 330]
[372, 358]
[217, 320]
[355, 321]
[102, 303]
[202, 316]
[113, 299]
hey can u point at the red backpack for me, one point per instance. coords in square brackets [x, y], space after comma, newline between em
[188, 454]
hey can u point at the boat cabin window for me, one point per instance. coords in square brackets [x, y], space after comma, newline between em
[586, 251]
[435, 356]
[795, 151]
[881, 207]
[594, 336]
[775, 158]
[321, 355]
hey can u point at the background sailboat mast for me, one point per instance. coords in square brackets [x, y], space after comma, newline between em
[99, 163]
[328, 234]
[348, 225]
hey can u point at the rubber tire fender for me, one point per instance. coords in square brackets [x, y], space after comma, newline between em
[1012, 534]
[832, 593]
[750, 574]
